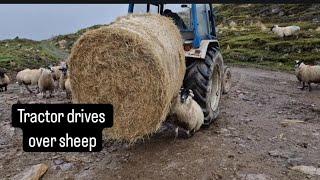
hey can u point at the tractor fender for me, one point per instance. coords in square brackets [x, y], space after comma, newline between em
[201, 52]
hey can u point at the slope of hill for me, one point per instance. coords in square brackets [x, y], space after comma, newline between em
[17, 54]
[248, 41]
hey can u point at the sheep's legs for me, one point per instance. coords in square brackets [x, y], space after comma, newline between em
[303, 86]
[5, 88]
[21, 90]
[68, 95]
[176, 132]
[28, 89]
[310, 88]
[50, 94]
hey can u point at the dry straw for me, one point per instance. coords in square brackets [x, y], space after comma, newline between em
[137, 64]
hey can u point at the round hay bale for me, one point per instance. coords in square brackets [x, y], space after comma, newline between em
[137, 64]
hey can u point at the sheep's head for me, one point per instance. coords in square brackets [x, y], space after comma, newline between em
[274, 26]
[50, 67]
[186, 95]
[64, 70]
[41, 69]
[298, 63]
[2, 72]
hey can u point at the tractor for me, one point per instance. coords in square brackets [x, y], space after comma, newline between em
[206, 74]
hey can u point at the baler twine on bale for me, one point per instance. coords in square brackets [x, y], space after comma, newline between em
[137, 64]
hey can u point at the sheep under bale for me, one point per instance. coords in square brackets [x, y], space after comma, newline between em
[137, 64]
[4, 81]
[308, 74]
[46, 82]
[187, 112]
[285, 31]
[29, 77]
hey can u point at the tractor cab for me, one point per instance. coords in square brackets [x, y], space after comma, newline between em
[195, 21]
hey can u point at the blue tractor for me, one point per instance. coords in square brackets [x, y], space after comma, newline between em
[205, 74]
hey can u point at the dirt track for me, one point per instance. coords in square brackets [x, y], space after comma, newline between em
[248, 141]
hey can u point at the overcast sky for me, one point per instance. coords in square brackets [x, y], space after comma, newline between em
[40, 22]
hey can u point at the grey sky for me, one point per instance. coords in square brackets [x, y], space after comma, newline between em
[40, 22]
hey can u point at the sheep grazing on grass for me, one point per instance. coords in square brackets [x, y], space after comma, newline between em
[187, 112]
[46, 82]
[29, 77]
[285, 31]
[4, 81]
[308, 74]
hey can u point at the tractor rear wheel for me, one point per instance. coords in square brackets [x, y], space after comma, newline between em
[204, 77]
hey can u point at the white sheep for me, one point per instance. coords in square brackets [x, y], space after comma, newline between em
[187, 111]
[285, 31]
[308, 74]
[29, 77]
[57, 71]
[64, 82]
[63, 77]
[4, 81]
[46, 82]
[68, 87]
[296, 69]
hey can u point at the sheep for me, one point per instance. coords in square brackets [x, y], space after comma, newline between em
[308, 74]
[68, 87]
[46, 82]
[296, 69]
[64, 82]
[187, 111]
[63, 77]
[4, 81]
[56, 71]
[285, 31]
[29, 77]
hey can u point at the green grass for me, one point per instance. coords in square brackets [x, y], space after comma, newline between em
[22, 53]
[255, 48]
[249, 46]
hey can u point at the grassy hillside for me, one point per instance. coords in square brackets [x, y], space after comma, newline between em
[17, 54]
[20, 53]
[250, 42]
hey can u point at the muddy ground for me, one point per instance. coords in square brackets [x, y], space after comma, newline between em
[249, 140]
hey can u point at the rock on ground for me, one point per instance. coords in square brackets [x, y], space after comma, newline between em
[33, 173]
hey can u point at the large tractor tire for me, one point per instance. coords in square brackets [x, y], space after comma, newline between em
[204, 77]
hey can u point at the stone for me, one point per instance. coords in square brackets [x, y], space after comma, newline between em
[35, 172]
[309, 170]
[253, 177]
